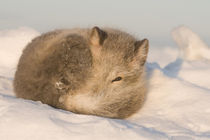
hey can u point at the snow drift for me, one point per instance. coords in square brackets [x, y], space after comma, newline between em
[177, 104]
[192, 47]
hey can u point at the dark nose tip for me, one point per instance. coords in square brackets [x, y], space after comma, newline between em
[95, 89]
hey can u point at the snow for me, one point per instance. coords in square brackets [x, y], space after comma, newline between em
[176, 107]
[193, 48]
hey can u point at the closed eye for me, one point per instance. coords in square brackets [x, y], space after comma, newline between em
[117, 79]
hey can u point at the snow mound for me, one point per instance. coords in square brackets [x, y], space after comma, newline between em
[192, 47]
[177, 104]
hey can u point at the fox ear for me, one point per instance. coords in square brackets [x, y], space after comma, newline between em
[97, 36]
[140, 52]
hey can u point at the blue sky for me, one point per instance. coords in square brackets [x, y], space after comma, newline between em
[152, 19]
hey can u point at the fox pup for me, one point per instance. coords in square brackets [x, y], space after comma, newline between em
[87, 71]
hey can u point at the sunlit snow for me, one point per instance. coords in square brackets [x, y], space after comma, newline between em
[177, 105]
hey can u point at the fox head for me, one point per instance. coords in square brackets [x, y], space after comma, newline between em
[116, 87]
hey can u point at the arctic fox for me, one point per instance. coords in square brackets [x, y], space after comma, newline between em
[87, 71]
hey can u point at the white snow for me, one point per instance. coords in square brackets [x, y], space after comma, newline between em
[177, 104]
[193, 48]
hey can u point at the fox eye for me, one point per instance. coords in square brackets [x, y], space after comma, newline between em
[117, 79]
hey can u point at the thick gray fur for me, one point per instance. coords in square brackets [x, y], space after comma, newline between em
[79, 69]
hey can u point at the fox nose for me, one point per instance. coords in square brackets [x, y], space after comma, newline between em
[98, 90]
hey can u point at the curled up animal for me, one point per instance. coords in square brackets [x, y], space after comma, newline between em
[88, 71]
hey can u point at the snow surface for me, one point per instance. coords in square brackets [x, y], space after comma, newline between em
[177, 105]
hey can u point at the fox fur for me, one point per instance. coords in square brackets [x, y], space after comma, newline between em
[87, 71]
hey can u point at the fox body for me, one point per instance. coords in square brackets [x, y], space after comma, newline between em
[87, 71]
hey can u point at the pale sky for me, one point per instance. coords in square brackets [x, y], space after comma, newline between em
[152, 19]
